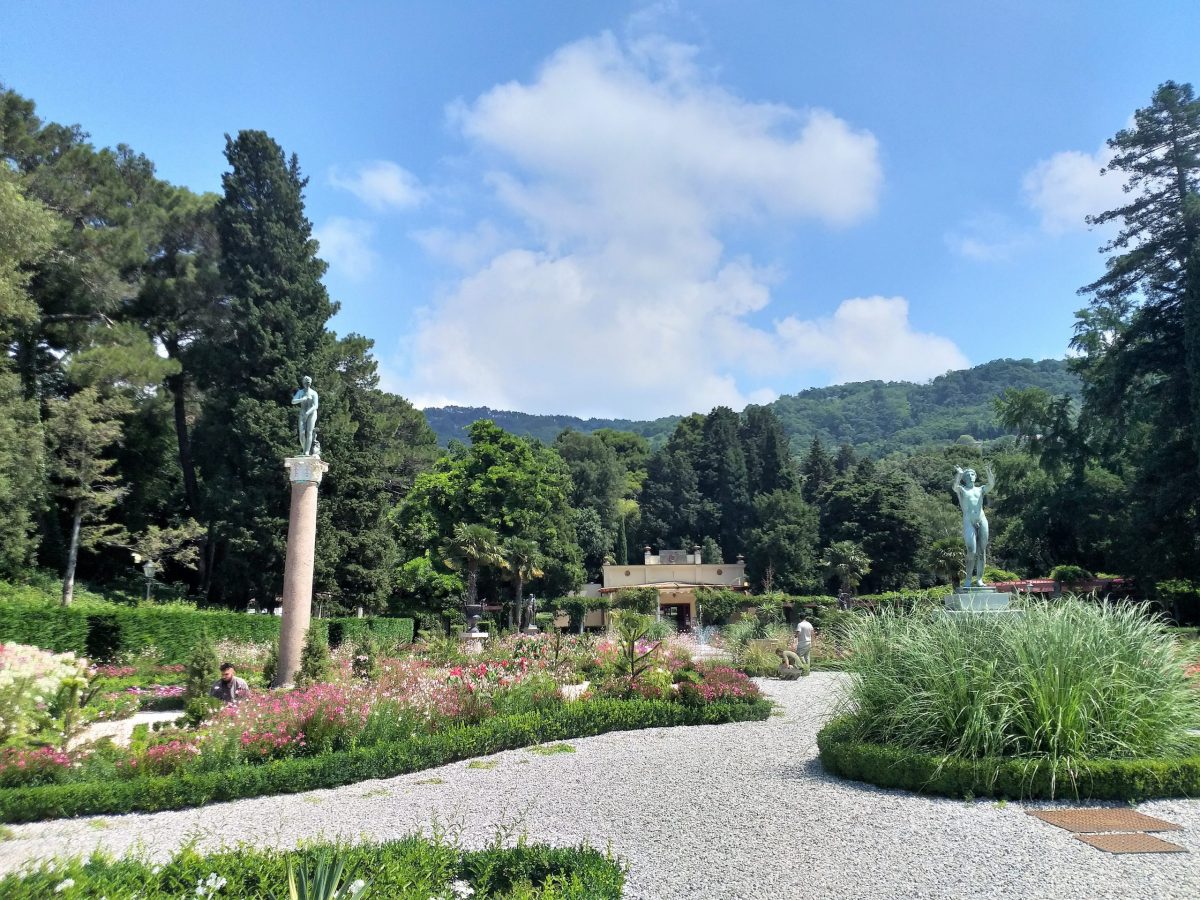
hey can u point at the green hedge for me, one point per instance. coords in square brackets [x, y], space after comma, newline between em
[103, 631]
[409, 869]
[1109, 779]
[391, 631]
[289, 776]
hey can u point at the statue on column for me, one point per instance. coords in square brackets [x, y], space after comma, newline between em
[975, 523]
[306, 398]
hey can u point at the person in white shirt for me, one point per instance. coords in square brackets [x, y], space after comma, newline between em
[804, 637]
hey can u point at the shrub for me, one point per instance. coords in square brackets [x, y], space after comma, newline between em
[1065, 682]
[316, 665]
[36, 687]
[642, 600]
[409, 869]
[718, 604]
[843, 753]
[202, 669]
[1070, 574]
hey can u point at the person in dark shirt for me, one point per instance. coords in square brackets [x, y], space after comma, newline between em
[230, 688]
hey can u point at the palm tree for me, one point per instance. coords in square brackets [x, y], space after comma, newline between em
[847, 561]
[947, 557]
[523, 561]
[469, 548]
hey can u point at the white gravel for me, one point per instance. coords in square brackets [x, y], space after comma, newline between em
[121, 730]
[728, 811]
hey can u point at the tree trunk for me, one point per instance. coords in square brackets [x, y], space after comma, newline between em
[191, 488]
[68, 593]
[517, 603]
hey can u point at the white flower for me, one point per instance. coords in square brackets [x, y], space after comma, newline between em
[356, 888]
[64, 885]
[461, 888]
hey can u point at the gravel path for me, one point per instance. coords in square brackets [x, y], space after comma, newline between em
[728, 811]
[121, 730]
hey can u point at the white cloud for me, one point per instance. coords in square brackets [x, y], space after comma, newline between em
[624, 163]
[870, 337]
[381, 185]
[346, 246]
[989, 238]
[1068, 187]
[465, 250]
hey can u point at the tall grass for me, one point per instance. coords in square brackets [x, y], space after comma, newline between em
[1064, 681]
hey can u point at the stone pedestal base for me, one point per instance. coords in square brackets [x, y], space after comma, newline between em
[977, 598]
[473, 642]
[530, 630]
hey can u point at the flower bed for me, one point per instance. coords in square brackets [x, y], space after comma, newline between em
[381, 760]
[409, 869]
[34, 685]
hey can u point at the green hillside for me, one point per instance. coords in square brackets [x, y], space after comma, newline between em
[876, 417]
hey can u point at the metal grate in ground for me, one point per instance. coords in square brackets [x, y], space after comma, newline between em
[1094, 821]
[1130, 843]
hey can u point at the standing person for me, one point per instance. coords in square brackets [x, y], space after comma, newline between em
[230, 688]
[804, 637]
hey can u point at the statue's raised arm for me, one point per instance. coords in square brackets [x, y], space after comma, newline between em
[990, 484]
[956, 481]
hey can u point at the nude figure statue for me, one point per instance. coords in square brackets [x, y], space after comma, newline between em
[975, 523]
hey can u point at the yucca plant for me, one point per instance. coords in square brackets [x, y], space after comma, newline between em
[324, 882]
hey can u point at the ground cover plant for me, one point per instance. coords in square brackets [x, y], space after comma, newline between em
[410, 869]
[1056, 688]
[376, 715]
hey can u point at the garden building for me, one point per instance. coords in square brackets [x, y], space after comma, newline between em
[676, 574]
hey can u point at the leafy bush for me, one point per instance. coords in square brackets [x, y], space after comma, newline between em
[718, 604]
[991, 574]
[36, 687]
[410, 869]
[1064, 682]
[1070, 574]
[381, 760]
[202, 669]
[642, 600]
[316, 665]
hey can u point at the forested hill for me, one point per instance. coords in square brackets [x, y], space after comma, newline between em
[876, 417]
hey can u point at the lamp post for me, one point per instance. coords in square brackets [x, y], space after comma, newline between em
[148, 569]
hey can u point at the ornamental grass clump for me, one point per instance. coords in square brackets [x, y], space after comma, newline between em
[1063, 682]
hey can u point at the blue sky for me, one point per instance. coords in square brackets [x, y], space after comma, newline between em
[631, 209]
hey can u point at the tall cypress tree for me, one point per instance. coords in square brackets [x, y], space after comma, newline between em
[278, 309]
[723, 482]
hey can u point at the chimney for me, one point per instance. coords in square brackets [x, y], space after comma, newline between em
[696, 552]
[646, 550]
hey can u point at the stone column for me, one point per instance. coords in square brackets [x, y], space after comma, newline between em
[305, 473]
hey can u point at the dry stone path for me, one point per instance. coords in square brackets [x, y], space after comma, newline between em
[729, 811]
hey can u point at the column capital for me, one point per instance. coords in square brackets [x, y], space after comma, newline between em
[305, 469]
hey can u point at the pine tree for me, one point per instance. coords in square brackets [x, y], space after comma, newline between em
[278, 309]
[723, 482]
[818, 471]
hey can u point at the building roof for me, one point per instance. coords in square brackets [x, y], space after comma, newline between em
[673, 585]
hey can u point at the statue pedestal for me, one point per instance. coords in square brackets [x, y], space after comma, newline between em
[978, 598]
[304, 473]
[473, 642]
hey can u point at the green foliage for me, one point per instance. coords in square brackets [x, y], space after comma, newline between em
[1070, 574]
[413, 868]
[718, 604]
[844, 753]
[202, 669]
[365, 664]
[992, 574]
[846, 562]
[634, 628]
[316, 665]
[1065, 682]
[384, 760]
[642, 600]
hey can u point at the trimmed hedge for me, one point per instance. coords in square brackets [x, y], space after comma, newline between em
[290, 776]
[412, 868]
[925, 773]
[104, 631]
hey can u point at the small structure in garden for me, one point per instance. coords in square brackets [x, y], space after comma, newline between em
[675, 574]
[304, 473]
[973, 595]
[473, 638]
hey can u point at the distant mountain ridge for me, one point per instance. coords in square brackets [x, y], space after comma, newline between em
[875, 417]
